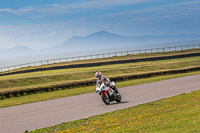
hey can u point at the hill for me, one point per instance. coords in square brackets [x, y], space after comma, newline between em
[104, 40]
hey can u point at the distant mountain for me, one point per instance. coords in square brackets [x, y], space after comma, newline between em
[96, 40]
[20, 49]
[105, 40]
[16, 51]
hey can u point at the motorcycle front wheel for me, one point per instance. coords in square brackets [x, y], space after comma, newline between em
[105, 99]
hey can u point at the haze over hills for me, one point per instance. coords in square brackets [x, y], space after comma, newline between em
[98, 42]
[16, 51]
[103, 40]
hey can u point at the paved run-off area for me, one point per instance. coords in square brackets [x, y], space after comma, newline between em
[47, 113]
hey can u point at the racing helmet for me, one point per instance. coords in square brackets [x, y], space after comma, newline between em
[98, 75]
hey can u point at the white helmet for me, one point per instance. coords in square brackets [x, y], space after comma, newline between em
[98, 75]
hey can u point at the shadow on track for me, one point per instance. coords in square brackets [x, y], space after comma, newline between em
[122, 102]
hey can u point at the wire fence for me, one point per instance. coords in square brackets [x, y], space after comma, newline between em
[98, 56]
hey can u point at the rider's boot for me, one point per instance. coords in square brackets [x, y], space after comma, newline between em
[115, 89]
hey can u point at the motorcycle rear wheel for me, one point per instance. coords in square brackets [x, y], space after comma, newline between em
[119, 98]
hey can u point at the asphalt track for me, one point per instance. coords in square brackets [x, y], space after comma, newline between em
[32, 116]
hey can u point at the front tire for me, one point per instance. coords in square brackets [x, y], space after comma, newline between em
[105, 99]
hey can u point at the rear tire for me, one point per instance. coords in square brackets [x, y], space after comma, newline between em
[119, 98]
[105, 99]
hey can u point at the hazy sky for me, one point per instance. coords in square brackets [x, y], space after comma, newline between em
[44, 23]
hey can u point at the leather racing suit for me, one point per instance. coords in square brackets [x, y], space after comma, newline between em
[104, 80]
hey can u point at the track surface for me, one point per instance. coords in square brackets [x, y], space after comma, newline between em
[47, 113]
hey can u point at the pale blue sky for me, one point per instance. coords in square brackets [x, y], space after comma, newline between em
[45, 23]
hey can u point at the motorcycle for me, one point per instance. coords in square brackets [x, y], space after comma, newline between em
[108, 94]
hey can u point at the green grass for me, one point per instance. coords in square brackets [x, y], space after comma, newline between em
[48, 78]
[178, 114]
[106, 59]
[82, 90]
[113, 58]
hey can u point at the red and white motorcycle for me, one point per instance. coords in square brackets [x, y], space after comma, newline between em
[108, 94]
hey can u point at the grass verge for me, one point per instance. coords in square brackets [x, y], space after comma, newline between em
[82, 90]
[101, 60]
[10, 92]
[47, 78]
[176, 114]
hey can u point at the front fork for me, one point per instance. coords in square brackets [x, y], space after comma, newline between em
[104, 94]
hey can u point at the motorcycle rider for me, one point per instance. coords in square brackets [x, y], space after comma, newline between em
[103, 79]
